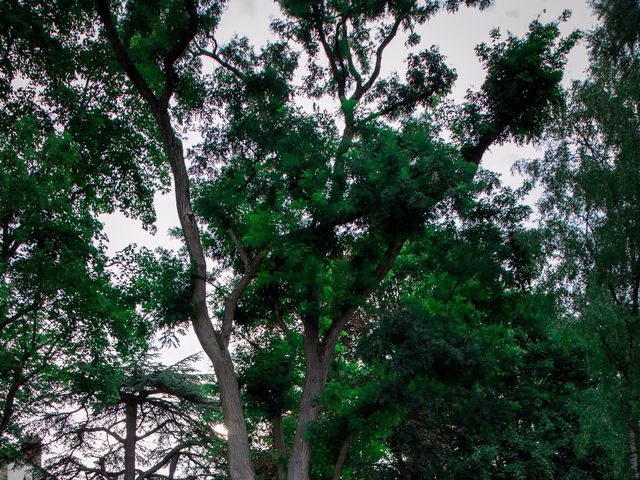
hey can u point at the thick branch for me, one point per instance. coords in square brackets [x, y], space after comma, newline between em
[473, 153]
[123, 56]
[178, 49]
[279, 446]
[231, 303]
[337, 76]
[393, 250]
[379, 52]
[16, 382]
[350, 63]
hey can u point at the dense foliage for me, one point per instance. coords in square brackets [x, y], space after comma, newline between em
[372, 301]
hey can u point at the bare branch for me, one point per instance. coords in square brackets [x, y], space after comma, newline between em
[213, 55]
[109, 432]
[169, 456]
[379, 52]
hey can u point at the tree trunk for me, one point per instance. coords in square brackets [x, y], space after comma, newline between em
[131, 422]
[213, 343]
[317, 365]
[342, 455]
[240, 465]
[279, 447]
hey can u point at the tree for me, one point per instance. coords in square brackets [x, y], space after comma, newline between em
[462, 371]
[142, 421]
[589, 207]
[311, 210]
[58, 127]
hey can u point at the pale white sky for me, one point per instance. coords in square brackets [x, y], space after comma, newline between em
[455, 34]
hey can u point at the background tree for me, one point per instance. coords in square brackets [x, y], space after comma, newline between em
[590, 210]
[463, 371]
[59, 126]
[141, 421]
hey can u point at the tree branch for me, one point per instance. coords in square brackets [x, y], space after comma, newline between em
[123, 56]
[178, 49]
[239, 248]
[409, 100]
[379, 52]
[352, 67]
[339, 79]
[342, 455]
[393, 250]
[213, 54]
[112, 434]
[168, 457]
[231, 302]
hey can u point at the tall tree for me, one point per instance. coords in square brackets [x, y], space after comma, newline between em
[334, 205]
[314, 208]
[592, 186]
[58, 126]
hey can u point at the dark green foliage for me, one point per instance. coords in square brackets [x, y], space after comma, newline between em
[159, 283]
[468, 377]
[70, 149]
[453, 369]
[269, 376]
[589, 209]
[521, 89]
[55, 297]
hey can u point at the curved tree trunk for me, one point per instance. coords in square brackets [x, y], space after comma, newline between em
[240, 465]
[215, 344]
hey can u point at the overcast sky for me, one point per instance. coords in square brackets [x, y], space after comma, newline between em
[455, 34]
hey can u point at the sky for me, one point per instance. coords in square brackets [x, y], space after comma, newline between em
[456, 35]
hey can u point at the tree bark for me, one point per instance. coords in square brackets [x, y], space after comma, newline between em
[342, 455]
[131, 422]
[279, 446]
[212, 342]
[240, 465]
[317, 366]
